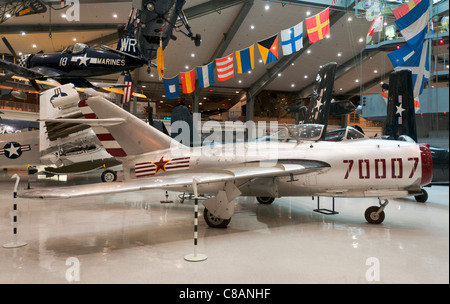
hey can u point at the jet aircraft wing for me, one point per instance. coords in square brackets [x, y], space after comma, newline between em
[245, 171]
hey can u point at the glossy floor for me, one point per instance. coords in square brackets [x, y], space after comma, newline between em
[134, 238]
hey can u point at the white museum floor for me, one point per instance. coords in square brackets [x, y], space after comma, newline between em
[133, 238]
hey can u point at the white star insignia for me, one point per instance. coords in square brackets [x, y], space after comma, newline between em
[84, 59]
[13, 150]
[399, 110]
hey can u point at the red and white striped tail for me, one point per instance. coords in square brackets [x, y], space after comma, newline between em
[107, 140]
[149, 168]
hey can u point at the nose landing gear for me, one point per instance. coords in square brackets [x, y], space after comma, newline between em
[374, 214]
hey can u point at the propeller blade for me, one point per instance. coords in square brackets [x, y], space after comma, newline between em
[6, 77]
[8, 45]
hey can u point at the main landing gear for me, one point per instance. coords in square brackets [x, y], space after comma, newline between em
[265, 200]
[374, 214]
[214, 221]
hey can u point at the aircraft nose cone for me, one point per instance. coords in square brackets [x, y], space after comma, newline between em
[427, 164]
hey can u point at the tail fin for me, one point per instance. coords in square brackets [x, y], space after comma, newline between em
[127, 41]
[319, 106]
[133, 137]
[400, 119]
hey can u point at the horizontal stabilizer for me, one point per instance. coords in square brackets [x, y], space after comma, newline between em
[105, 122]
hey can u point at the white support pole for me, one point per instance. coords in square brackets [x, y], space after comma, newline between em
[15, 243]
[195, 257]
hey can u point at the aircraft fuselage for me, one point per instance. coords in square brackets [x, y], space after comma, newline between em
[359, 168]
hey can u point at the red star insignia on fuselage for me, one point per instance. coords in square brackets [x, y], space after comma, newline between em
[161, 165]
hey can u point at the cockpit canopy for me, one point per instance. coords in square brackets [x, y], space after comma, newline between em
[77, 48]
[313, 132]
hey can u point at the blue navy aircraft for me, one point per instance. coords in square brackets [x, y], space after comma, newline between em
[73, 64]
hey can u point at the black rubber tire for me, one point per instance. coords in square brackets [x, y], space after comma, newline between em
[423, 197]
[213, 221]
[370, 216]
[265, 200]
[109, 176]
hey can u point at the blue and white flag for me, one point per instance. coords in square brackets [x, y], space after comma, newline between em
[412, 21]
[205, 75]
[414, 24]
[292, 39]
[417, 60]
[171, 87]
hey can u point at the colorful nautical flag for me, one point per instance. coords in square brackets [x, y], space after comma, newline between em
[245, 60]
[188, 81]
[292, 39]
[171, 87]
[225, 68]
[268, 48]
[417, 60]
[405, 8]
[128, 90]
[318, 26]
[376, 26]
[414, 23]
[205, 75]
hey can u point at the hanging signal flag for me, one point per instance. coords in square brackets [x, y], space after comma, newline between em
[318, 26]
[268, 49]
[128, 90]
[245, 59]
[188, 81]
[171, 87]
[292, 39]
[205, 75]
[225, 68]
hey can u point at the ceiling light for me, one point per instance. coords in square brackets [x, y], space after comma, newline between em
[240, 81]
[260, 61]
[267, 7]
[34, 45]
[252, 26]
[8, 15]
[292, 85]
[152, 75]
[340, 89]
[20, 53]
[328, 36]
[23, 33]
[308, 51]
[361, 39]
[114, 15]
[200, 103]
[306, 76]
[63, 16]
[74, 39]
[192, 55]
[186, 67]
[308, 13]
[279, 74]
[339, 54]
[375, 71]
[357, 80]
[292, 64]
[349, 19]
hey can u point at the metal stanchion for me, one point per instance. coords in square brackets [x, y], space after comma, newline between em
[195, 257]
[15, 243]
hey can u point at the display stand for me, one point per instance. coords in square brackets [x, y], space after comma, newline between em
[195, 257]
[324, 210]
[15, 243]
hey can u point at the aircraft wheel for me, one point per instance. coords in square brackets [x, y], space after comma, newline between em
[214, 221]
[422, 198]
[109, 176]
[266, 200]
[372, 217]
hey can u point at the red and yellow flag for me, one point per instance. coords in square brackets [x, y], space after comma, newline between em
[318, 26]
[188, 81]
